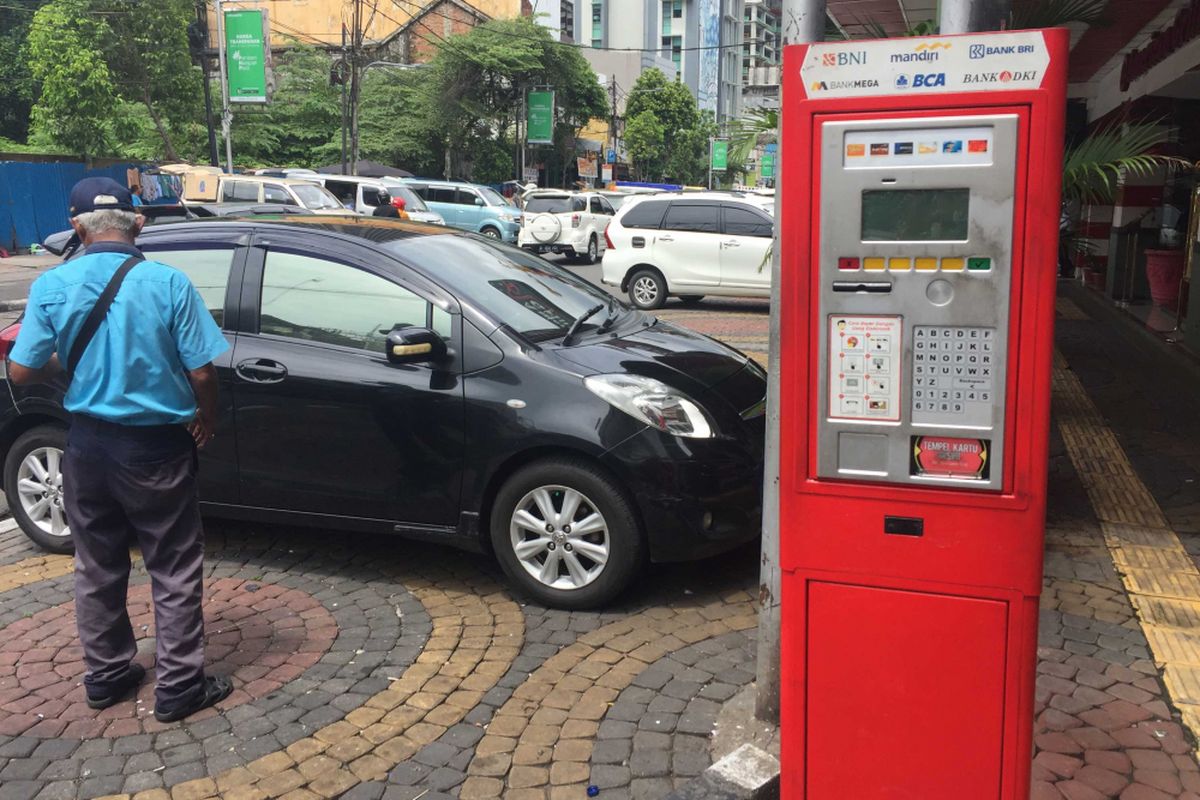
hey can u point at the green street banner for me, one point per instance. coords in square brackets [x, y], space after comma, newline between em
[720, 154]
[767, 165]
[539, 117]
[245, 56]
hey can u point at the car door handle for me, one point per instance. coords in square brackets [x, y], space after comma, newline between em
[731, 243]
[666, 239]
[261, 370]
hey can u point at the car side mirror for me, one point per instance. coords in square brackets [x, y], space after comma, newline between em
[479, 201]
[413, 345]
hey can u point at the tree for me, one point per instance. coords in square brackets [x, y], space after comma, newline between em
[666, 135]
[92, 58]
[479, 80]
[645, 138]
[396, 121]
[78, 93]
[16, 82]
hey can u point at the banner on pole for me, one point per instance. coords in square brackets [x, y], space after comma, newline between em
[767, 166]
[588, 166]
[539, 117]
[246, 56]
[720, 154]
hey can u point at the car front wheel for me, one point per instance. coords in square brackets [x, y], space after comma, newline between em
[491, 233]
[34, 486]
[647, 289]
[565, 533]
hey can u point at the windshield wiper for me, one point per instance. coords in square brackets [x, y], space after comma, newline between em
[578, 323]
[613, 314]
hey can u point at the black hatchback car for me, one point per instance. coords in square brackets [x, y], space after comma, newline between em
[387, 376]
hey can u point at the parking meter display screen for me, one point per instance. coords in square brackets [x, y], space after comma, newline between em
[915, 215]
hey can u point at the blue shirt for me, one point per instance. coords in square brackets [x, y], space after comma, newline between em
[134, 370]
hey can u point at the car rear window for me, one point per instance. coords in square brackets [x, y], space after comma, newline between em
[646, 214]
[548, 205]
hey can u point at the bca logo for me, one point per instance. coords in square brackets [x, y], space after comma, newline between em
[929, 80]
[902, 82]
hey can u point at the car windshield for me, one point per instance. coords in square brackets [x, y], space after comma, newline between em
[412, 201]
[315, 198]
[550, 205]
[533, 297]
[492, 197]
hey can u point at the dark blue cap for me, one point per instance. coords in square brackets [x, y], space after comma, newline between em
[99, 194]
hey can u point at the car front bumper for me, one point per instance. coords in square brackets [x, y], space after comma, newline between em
[696, 497]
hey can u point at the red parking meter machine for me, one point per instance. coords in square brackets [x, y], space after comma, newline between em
[921, 181]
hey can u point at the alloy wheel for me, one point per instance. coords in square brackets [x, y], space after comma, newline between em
[645, 290]
[559, 537]
[40, 490]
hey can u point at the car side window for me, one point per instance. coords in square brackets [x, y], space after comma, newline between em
[240, 192]
[596, 208]
[442, 194]
[274, 193]
[317, 300]
[208, 270]
[466, 197]
[579, 204]
[646, 214]
[744, 222]
[370, 196]
[605, 206]
[694, 218]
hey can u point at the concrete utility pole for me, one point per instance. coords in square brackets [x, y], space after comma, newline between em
[226, 111]
[803, 21]
[968, 16]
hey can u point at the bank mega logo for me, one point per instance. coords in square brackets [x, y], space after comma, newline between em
[978, 51]
[844, 58]
[826, 86]
[924, 53]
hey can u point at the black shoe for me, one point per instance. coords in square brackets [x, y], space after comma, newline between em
[120, 690]
[215, 690]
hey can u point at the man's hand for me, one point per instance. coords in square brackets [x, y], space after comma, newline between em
[201, 428]
[22, 375]
[204, 387]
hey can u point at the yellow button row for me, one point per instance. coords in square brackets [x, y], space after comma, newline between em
[909, 264]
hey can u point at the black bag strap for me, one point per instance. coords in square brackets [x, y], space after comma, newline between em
[98, 313]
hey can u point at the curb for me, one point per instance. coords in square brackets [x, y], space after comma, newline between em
[748, 773]
[12, 305]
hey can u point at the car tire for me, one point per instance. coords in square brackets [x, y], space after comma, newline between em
[647, 289]
[592, 254]
[492, 233]
[45, 444]
[691, 299]
[577, 578]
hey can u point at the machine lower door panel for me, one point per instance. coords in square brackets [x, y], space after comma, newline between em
[905, 694]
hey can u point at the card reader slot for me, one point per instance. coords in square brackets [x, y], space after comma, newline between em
[863, 287]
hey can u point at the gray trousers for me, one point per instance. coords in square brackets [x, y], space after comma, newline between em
[136, 485]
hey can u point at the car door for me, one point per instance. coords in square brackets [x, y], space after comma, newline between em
[444, 200]
[745, 241]
[687, 246]
[471, 207]
[326, 425]
[601, 213]
[213, 261]
[346, 192]
[279, 193]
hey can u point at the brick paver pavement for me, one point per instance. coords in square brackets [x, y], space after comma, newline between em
[369, 667]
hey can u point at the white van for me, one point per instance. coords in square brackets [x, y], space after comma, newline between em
[362, 195]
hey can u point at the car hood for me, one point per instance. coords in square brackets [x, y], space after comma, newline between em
[663, 351]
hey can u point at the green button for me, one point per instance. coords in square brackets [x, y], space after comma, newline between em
[979, 264]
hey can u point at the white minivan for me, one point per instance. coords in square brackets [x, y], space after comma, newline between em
[688, 246]
[362, 195]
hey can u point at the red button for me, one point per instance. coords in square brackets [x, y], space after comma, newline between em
[848, 262]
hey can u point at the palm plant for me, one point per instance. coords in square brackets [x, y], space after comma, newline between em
[1093, 167]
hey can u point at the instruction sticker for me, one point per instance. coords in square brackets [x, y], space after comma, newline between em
[863, 380]
[948, 457]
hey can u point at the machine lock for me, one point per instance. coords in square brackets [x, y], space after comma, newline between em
[863, 287]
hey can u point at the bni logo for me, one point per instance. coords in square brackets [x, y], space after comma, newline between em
[978, 51]
[844, 58]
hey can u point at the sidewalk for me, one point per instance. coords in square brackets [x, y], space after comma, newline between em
[368, 667]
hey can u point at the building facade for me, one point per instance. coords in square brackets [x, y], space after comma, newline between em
[558, 16]
[700, 39]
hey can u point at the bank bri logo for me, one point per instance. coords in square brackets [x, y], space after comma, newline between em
[978, 51]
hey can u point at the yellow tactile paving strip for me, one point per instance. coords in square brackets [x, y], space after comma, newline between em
[1162, 580]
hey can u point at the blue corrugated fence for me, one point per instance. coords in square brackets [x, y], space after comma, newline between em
[33, 197]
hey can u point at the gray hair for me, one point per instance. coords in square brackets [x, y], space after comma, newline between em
[108, 219]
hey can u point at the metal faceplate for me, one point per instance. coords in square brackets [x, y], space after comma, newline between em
[914, 334]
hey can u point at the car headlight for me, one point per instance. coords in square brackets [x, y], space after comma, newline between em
[655, 403]
[507, 217]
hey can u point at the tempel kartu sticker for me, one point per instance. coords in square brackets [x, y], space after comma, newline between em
[864, 368]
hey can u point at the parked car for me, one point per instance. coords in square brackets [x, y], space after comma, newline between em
[425, 382]
[362, 195]
[569, 223]
[202, 187]
[470, 208]
[688, 245]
